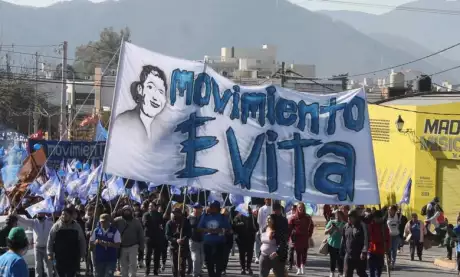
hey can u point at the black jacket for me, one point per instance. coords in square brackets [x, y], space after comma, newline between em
[355, 240]
[173, 233]
[245, 228]
[153, 224]
[194, 221]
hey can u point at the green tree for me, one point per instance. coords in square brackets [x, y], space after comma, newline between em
[100, 53]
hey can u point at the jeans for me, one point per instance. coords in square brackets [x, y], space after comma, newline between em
[197, 254]
[42, 263]
[214, 256]
[257, 246]
[228, 250]
[265, 264]
[394, 241]
[416, 246]
[105, 269]
[350, 265]
[376, 263]
[154, 249]
[335, 260]
[246, 252]
[128, 261]
[178, 267]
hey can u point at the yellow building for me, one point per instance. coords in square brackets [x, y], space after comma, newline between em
[417, 139]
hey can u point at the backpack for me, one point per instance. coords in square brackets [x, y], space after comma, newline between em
[424, 210]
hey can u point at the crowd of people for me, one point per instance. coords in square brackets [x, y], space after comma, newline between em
[147, 235]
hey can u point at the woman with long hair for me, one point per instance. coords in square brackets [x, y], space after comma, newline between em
[334, 229]
[272, 250]
[416, 229]
[301, 226]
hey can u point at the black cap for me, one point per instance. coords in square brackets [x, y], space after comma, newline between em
[276, 206]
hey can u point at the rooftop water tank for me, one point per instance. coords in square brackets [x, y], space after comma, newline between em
[397, 79]
[423, 83]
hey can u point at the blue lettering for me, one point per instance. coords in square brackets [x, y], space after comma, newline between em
[220, 103]
[313, 111]
[350, 122]
[345, 187]
[181, 80]
[251, 102]
[299, 162]
[332, 110]
[271, 90]
[286, 106]
[198, 99]
[194, 144]
[272, 164]
[243, 171]
[236, 103]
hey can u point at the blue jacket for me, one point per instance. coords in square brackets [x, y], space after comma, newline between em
[103, 254]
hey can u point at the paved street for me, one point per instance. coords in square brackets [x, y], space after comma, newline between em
[318, 265]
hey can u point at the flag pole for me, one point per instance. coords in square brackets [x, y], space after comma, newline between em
[179, 252]
[112, 115]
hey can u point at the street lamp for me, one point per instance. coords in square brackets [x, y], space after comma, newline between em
[400, 126]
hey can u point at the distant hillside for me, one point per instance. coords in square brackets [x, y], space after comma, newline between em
[432, 30]
[191, 29]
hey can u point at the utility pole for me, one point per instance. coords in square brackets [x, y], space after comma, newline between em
[63, 123]
[35, 110]
[283, 73]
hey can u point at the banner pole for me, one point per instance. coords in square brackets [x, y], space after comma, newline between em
[179, 257]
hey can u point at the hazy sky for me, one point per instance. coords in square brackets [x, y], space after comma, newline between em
[310, 4]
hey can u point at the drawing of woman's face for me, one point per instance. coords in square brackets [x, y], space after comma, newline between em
[153, 91]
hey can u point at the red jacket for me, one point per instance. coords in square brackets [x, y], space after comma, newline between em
[376, 239]
[301, 228]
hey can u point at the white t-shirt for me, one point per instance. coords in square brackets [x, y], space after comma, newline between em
[393, 224]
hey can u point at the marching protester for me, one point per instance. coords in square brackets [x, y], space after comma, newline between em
[301, 225]
[289, 215]
[334, 229]
[41, 227]
[393, 222]
[415, 232]
[262, 215]
[196, 240]
[132, 238]
[178, 232]
[245, 228]
[228, 241]
[154, 237]
[379, 244]
[214, 226]
[66, 244]
[105, 240]
[12, 263]
[354, 246]
[273, 250]
[10, 222]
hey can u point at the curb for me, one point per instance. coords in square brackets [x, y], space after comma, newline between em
[445, 263]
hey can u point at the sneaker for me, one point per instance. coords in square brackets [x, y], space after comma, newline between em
[224, 273]
[250, 272]
[140, 264]
[332, 274]
[290, 267]
[298, 271]
[243, 272]
[257, 261]
[163, 268]
[302, 269]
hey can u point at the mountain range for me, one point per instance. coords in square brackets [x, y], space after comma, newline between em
[192, 29]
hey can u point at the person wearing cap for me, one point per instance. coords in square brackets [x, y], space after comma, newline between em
[12, 263]
[66, 244]
[214, 226]
[196, 240]
[178, 232]
[154, 237]
[41, 226]
[105, 240]
[354, 245]
[132, 238]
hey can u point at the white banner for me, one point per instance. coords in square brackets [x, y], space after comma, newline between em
[179, 122]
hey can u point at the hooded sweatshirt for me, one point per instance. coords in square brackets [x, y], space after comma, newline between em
[131, 232]
[67, 241]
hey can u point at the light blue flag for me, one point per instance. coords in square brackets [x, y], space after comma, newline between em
[44, 206]
[10, 175]
[59, 200]
[49, 172]
[216, 196]
[236, 199]
[135, 193]
[34, 188]
[2, 152]
[72, 187]
[242, 209]
[152, 186]
[93, 177]
[115, 187]
[175, 190]
[101, 132]
[51, 187]
[407, 192]
[4, 203]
